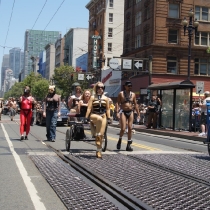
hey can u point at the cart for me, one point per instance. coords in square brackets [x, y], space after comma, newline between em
[70, 133]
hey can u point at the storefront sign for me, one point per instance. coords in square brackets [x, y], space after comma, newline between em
[95, 49]
[114, 81]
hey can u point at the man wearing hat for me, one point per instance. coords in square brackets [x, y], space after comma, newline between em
[126, 100]
[203, 121]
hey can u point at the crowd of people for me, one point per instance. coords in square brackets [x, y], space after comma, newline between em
[95, 107]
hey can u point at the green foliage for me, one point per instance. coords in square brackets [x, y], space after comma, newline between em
[208, 50]
[39, 85]
[40, 89]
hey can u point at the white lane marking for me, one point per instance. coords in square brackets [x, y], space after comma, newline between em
[26, 179]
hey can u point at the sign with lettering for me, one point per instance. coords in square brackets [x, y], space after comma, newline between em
[199, 87]
[127, 64]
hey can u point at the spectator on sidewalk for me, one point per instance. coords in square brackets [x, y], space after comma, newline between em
[203, 107]
[1, 106]
[152, 109]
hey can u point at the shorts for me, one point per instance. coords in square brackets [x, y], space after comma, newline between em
[203, 119]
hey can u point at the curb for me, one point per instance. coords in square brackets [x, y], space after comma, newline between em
[162, 133]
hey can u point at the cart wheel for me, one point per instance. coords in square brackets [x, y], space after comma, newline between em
[104, 143]
[104, 140]
[208, 146]
[67, 140]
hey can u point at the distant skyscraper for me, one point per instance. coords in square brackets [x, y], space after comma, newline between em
[35, 42]
[5, 65]
[16, 61]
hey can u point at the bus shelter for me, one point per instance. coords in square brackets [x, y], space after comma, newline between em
[176, 97]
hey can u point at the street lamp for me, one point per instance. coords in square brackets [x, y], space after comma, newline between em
[101, 59]
[190, 27]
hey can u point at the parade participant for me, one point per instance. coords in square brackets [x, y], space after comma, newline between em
[26, 103]
[51, 112]
[83, 103]
[126, 100]
[12, 108]
[99, 113]
[76, 97]
[1, 106]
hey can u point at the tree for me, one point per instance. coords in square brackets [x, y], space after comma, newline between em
[62, 79]
[40, 89]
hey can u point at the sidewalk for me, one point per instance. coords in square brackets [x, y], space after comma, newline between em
[167, 132]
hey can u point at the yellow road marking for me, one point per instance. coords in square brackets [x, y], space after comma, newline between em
[134, 144]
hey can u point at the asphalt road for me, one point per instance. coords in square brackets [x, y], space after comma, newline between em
[22, 185]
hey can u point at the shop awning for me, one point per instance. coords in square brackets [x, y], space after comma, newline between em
[112, 91]
[172, 85]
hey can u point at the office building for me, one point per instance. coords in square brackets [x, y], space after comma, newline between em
[5, 65]
[35, 42]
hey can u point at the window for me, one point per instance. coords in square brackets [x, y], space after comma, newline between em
[108, 59]
[171, 65]
[128, 20]
[173, 10]
[110, 32]
[138, 41]
[111, 17]
[202, 39]
[202, 66]
[173, 36]
[146, 37]
[109, 47]
[138, 19]
[202, 13]
[111, 3]
[146, 13]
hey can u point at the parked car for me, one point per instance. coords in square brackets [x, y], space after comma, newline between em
[40, 120]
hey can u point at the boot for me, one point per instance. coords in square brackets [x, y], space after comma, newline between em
[119, 143]
[128, 148]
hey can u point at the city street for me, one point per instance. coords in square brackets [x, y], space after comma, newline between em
[24, 187]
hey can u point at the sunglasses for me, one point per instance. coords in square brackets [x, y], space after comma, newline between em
[129, 85]
[98, 87]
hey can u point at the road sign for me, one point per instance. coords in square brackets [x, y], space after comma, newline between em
[89, 76]
[80, 76]
[114, 63]
[137, 64]
[199, 87]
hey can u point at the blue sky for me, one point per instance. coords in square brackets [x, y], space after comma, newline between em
[16, 16]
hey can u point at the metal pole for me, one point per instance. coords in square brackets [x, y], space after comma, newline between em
[190, 27]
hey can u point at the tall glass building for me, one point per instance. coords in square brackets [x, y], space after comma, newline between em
[35, 42]
[16, 61]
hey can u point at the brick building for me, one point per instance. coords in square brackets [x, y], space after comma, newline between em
[153, 29]
[106, 24]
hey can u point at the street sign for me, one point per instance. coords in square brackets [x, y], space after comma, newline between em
[199, 87]
[127, 64]
[80, 76]
[114, 63]
[89, 76]
[138, 64]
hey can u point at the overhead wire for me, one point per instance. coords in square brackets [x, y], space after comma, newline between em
[9, 25]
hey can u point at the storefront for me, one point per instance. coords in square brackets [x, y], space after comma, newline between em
[176, 100]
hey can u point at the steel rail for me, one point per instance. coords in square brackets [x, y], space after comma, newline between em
[116, 192]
